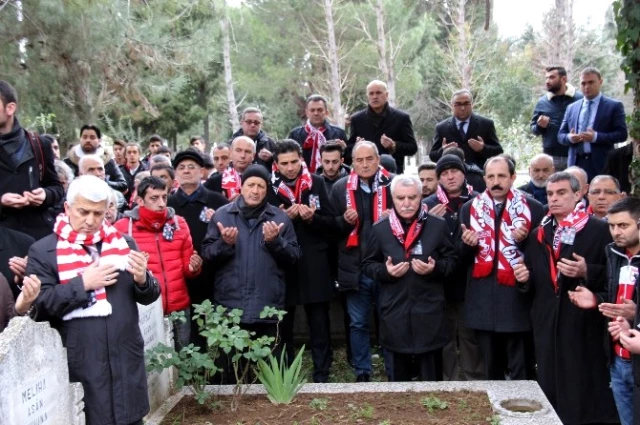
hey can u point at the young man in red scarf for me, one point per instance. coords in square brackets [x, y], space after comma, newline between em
[229, 182]
[411, 254]
[303, 196]
[362, 198]
[565, 264]
[315, 133]
[493, 227]
[165, 237]
[91, 281]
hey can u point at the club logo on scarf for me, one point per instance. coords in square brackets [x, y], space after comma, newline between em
[203, 215]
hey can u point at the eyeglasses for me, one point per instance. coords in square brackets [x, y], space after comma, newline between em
[251, 122]
[462, 105]
[187, 167]
[606, 192]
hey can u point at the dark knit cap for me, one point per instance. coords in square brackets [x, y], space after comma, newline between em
[447, 162]
[256, 170]
[188, 154]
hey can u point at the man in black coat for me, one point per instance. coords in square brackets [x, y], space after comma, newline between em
[333, 167]
[451, 194]
[411, 254]
[304, 198]
[29, 184]
[251, 127]
[229, 182]
[564, 255]
[617, 165]
[474, 134]
[493, 227]
[540, 168]
[361, 198]
[132, 167]
[91, 281]
[389, 128]
[316, 132]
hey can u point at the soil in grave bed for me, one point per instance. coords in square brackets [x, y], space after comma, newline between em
[405, 408]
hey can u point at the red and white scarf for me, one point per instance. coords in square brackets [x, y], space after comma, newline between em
[516, 213]
[577, 220]
[444, 198]
[315, 139]
[414, 230]
[381, 182]
[73, 259]
[303, 184]
[231, 182]
[626, 289]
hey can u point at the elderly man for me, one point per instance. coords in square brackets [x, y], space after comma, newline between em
[94, 166]
[362, 198]
[474, 134]
[583, 180]
[410, 253]
[388, 128]
[247, 277]
[604, 191]
[565, 261]
[315, 133]
[251, 127]
[91, 281]
[228, 183]
[540, 168]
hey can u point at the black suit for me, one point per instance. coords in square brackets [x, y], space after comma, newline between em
[478, 127]
[617, 165]
[393, 123]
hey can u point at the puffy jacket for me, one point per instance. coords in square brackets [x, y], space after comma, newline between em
[168, 260]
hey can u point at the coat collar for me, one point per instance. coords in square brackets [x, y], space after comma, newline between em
[570, 92]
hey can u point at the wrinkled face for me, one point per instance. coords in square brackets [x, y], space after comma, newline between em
[602, 194]
[429, 181]
[590, 85]
[166, 178]
[118, 151]
[112, 212]
[254, 190]
[554, 82]
[154, 145]
[462, 106]
[540, 170]
[221, 159]
[452, 180]
[316, 111]
[562, 200]
[365, 162]
[331, 163]
[251, 124]
[242, 154]
[199, 145]
[89, 141]
[289, 164]
[132, 154]
[188, 172]
[498, 179]
[623, 229]
[56, 149]
[377, 96]
[154, 200]
[85, 216]
[407, 201]
[93, 167]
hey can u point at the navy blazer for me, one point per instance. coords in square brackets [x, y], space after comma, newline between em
[610, 124]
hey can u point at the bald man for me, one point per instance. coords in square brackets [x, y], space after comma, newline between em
[228, 182]
[540, 168]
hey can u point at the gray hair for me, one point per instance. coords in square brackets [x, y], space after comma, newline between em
[86, 158]
[377, 83]
[244, 139]
[406, 180]
[562, 176]
[365, 143]
[604, 177]
[62, 169]
[578, 170]
[462, 91]
[540, 156]
[160, 159]
[90, 188]
[250, 110]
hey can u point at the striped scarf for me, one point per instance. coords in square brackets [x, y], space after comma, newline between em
[314, 141]
[73, 259]
[231, 183]
[303, 184]
[380, 187]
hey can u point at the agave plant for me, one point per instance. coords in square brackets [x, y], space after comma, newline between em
[282, 382]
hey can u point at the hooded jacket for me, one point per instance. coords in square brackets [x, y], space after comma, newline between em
[112, 174]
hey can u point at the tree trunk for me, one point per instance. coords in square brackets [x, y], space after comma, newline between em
[205, 124]
[463, 62]
[385, 61]
[228, 77]
[335, 82]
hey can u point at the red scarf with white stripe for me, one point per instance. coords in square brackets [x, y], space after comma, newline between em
[303, 184]
[444, 198]
[577, 219]
[73, 259]
[381, 182]
[626, 289]
[414, 230]
[315, 139]
[515, 214]
[231, 182]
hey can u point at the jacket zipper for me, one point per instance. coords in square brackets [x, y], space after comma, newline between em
[164, 290]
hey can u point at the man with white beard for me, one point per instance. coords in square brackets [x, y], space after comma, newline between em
[540, 168]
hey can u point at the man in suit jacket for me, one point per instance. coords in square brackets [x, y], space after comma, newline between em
[592, 126]
[474, 134]
[389, 128]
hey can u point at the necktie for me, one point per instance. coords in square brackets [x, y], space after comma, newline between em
[461, 129]
[584, 124]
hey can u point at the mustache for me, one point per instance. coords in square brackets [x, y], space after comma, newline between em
[496, 187]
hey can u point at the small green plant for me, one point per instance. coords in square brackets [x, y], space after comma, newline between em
[494, 420]
[364, 412]
[462, 404]
[319, 404]
[385, 422]
[281, 381]
[433, 403]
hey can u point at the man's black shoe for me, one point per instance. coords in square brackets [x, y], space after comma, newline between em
[363, 378]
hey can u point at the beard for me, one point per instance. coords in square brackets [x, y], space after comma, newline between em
[554, 88]
[538, 183]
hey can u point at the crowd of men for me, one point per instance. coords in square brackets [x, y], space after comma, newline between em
[470, 277]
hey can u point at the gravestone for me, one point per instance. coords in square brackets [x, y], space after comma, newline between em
[156, 329]
[34, 377]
